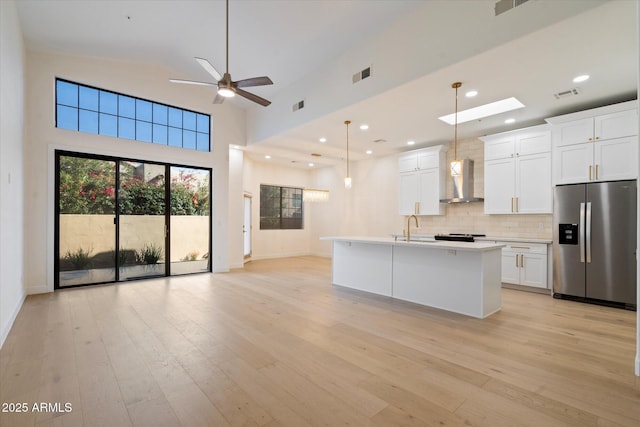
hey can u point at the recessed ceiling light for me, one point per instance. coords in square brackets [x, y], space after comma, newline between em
[369, 152]
[411, 142]
[471, 93]
[311, 165]
[582, 78]
[482, 111]
[364, 126]
[323, 139]
[510, 120]
[267, 156]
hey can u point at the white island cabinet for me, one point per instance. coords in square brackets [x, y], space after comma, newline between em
[456, 276]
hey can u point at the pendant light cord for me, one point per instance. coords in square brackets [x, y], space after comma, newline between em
[347, 122]
[455, 132]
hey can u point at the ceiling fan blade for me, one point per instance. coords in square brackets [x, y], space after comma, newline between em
[255, 81]
[209, 68]
[218, 99]
[252, 97]
[192, 82]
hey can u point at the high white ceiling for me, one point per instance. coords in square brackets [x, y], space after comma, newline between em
[289, 40]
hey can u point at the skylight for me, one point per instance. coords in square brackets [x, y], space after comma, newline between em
[482, 111]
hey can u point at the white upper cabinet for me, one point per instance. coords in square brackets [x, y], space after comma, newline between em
[422, 181]
[517, 172]
[596, 145]
[605, 126]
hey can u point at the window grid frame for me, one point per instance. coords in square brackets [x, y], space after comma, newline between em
[135, 119]
[282, 208]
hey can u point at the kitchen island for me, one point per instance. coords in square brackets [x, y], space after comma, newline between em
[463, 277]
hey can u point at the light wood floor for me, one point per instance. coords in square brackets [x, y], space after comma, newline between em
[277, 345]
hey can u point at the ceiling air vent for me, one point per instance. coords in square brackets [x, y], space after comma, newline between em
[361, 75]
[567, 93]
[298, 105]
[504, 5]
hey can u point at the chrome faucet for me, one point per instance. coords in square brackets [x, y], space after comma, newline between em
[409, 226]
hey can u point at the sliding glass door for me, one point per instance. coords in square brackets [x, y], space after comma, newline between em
[119, 219]
[189, 222]
[142, 213]
[86, 221]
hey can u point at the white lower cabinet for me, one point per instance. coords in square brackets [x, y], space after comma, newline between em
[524, 264]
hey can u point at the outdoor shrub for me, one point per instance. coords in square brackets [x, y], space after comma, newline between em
[149, 254]
[191, 256]
[79, 258]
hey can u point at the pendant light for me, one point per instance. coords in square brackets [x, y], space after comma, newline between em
[347, 179]
[315, 195]
[455, 164]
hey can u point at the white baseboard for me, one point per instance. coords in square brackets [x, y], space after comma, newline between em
[5, 332]
[289, 255]
[33, 290]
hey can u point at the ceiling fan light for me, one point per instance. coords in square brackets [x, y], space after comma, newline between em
[226, 92]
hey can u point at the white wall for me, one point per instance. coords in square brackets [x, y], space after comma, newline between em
[276, 243]
[228, 127]
[236, 208]
[12, 83]
[368, 208]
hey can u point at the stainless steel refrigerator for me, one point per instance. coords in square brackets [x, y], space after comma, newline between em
[594, 242]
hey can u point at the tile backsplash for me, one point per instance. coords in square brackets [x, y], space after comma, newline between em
[470, 217]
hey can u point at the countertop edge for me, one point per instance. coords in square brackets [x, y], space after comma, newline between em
[440, 244]
[489, 238]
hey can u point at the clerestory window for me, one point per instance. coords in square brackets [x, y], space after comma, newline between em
[92, 110]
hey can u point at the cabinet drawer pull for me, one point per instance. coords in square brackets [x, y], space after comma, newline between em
[520, 247]
[517, 261]
[416, 208]
[517, 204]
[512, 204]
[522, 260]
[590, 167]
[597, 171]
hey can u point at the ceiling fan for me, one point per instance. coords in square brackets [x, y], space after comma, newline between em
[228, 88]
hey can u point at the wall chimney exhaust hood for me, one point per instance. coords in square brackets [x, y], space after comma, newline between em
[463, 184]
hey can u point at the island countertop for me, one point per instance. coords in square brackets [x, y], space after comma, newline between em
[435, 244]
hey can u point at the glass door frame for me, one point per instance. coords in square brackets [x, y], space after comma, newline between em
[167, 214]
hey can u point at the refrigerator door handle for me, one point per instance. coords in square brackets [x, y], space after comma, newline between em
[588, 231]
[581, 231]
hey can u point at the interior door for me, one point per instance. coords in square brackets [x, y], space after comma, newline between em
[246, 226]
